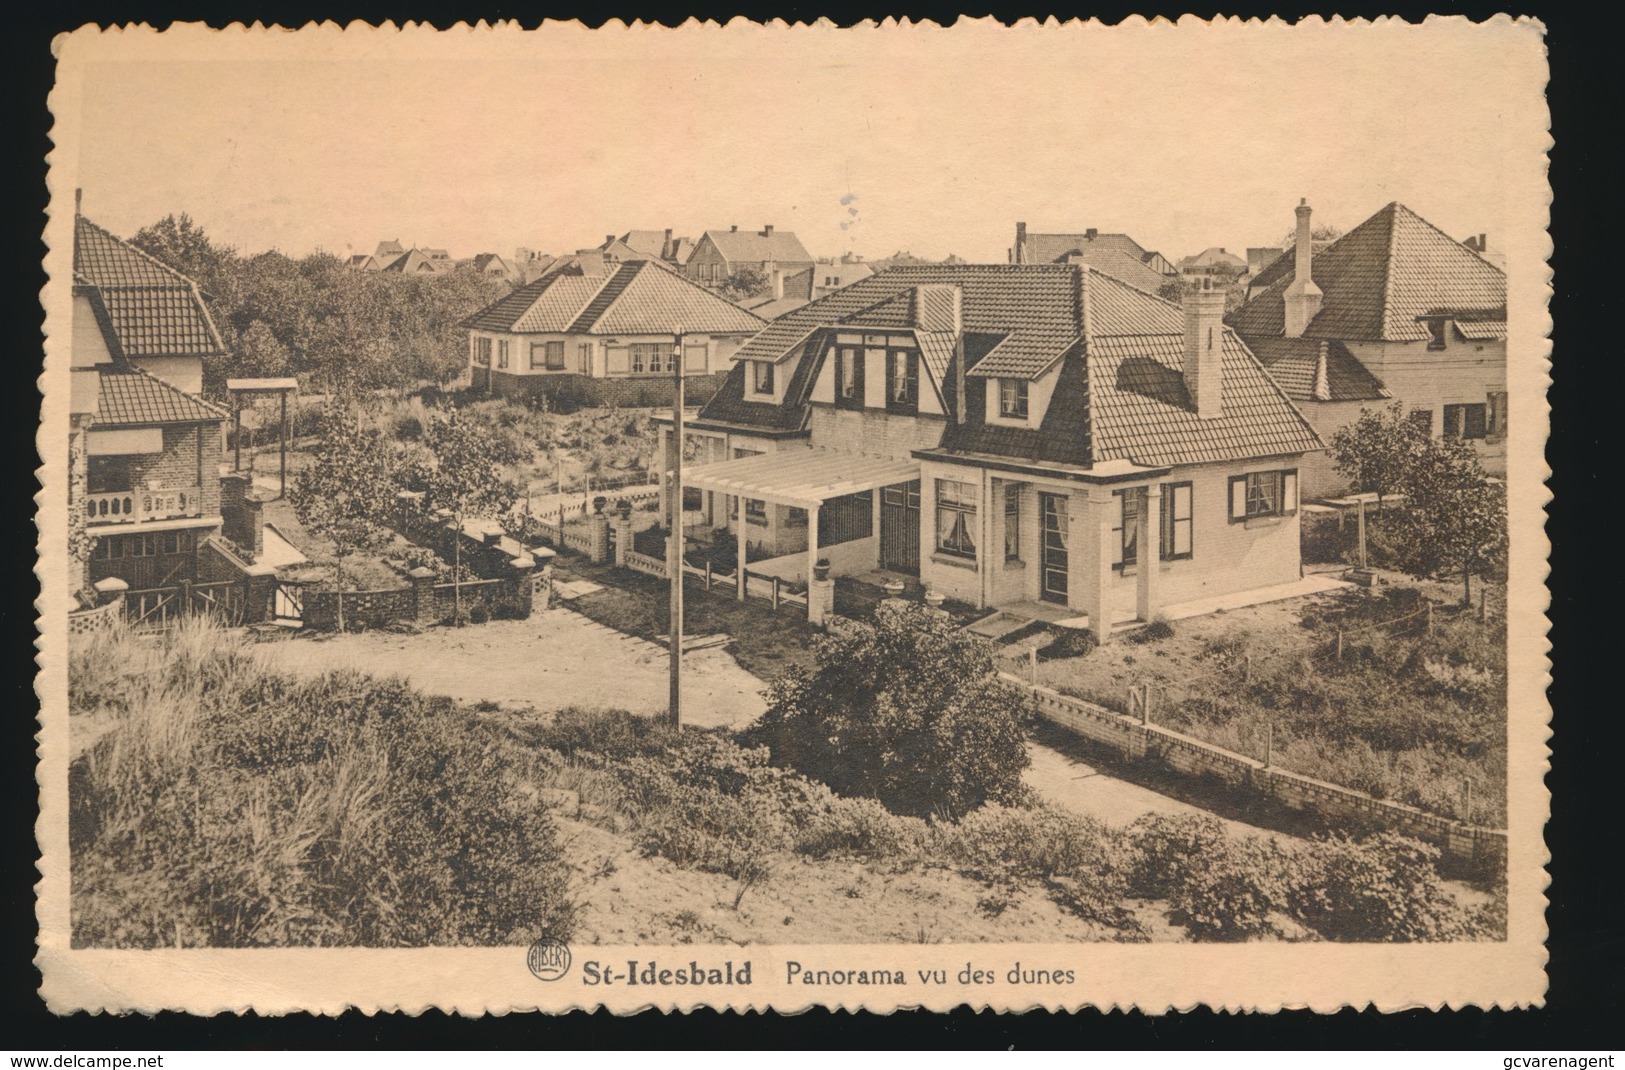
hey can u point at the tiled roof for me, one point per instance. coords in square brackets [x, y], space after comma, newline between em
[1141, 412]
[131, 397]
[1116, 263]
[1295, 364]
[639, 297]
[1484, 331]
[1376, 281]
[1120, 393]
[750, 246]
[728, 405]
[550, 303]
[153, 309]
[1055, 248]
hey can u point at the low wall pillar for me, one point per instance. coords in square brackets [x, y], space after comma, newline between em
[423, 594]
[820, 600]
[598, 538]
[524, 582]
[623, 536]
[259, 594]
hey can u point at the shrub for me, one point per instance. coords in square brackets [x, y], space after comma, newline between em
[1163, 851]
[1155, 630]
[1385, 887]
[233, 807]
[908, 710]
[1069, 643]
[478, 613]
[1236, 890]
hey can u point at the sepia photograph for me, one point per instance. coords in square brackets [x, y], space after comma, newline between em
[794, 516]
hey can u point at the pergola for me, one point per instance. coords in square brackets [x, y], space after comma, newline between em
[801, 476]
[236, 388]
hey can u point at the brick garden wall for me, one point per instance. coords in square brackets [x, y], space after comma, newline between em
[372, 609]
[1196, 758]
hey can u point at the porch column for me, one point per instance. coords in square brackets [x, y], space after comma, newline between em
[739, 570]
[1092, 562]
[812, 537]
[1147, 600]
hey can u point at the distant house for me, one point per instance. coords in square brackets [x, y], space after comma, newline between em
[789, 292]
[904, 258]
[1212, 263]
[493, 265]
[145, 444]
[1117, 255]
[720, 253]
[362, 262]
[1394, 309]
[605, 338]
[659, 245]
[416, 262]
[1012, 435]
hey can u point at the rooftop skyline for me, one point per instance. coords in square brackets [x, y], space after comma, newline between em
[1182, 136]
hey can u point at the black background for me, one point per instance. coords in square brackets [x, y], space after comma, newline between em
[1584, 835]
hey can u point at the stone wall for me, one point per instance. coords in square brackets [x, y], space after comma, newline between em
[370, 609]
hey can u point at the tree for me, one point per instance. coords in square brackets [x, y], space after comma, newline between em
[346, 495]
[183, 245]
[1377, 450]
[909, 710]
[1455, 516]
[745, 284]
[261, 354]
[1318, 232]
[465, 476]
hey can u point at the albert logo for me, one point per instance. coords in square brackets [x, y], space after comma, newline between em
[548, 959]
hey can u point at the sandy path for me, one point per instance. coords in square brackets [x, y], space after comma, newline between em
[556, 658]
[1084, 789]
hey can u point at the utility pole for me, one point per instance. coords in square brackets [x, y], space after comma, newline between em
[674, 544]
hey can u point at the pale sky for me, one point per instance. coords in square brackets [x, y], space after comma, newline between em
[935, 141]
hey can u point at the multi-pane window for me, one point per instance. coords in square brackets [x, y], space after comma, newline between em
[548, 355]
[1012, 522]
[1176, 520]
[849, 377]
[502, 354]
[1466, 421]
[1129, 509]
[1259, 494]
[1013, 399]
[956, 517]
[482, 352]
[755, 511]
[902, 380]
[648, 358]
[761, 376]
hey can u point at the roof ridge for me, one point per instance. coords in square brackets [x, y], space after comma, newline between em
[181, 278]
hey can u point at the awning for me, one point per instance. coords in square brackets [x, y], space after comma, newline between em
[803, 476]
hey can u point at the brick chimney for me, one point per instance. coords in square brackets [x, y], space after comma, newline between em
[1203, 361]
[734, 229]
[1091, 234]
[778, 284]
[767, 231]
[1019, 254]
[1302, 296]
[666, 248]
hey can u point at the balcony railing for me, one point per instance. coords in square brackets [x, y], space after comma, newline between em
[134, 506]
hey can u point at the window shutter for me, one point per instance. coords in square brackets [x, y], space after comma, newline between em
[620, 360]
[1238, 498]
[1289, 492]
[694, 358]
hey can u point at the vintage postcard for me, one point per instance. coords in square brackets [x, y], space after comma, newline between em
[767, 516]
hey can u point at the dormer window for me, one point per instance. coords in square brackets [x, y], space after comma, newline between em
[1436, 326]
[902, 381]
[761, 377]
[1013, 399]
[849, 378]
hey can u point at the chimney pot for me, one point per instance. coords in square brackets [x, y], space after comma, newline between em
[1091, 233]
[767, 231]
[734, 229]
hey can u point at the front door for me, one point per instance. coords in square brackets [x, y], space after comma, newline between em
[900, 528]
[1052, 556]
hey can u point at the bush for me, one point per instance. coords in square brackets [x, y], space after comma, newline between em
[1069, 643]
[1385, 887]
[1154, 631]
[1164, 850]
[478, 613]
[233, 807]
[908, 710]
[1237, 890]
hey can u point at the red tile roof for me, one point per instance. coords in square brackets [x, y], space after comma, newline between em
[153, 309]
[130, 397]
[1376, 281]
[639, 297]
